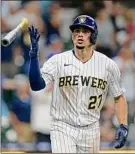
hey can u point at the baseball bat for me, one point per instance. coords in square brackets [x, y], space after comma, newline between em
[10, 37]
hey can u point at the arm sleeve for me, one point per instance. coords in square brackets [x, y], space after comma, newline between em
[35, 78]
[49, 69]
[116, 87]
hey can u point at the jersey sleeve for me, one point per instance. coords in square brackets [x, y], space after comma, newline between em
[48, 70]
[116, 87]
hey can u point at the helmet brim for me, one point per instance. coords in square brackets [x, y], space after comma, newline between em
[73, 27]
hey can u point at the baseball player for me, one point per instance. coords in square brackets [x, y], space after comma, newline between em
[82, 78]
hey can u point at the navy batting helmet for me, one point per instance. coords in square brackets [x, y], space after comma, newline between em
[86, 21]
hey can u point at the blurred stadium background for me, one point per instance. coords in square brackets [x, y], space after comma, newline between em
[25, 119]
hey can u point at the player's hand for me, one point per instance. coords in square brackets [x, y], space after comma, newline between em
[121, 136]
[34, 38]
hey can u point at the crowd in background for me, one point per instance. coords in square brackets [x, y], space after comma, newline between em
[25, 114]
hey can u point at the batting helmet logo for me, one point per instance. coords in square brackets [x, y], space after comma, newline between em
[82, 19]
[86, 21]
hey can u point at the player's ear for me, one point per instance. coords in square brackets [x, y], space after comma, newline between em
[72, 35]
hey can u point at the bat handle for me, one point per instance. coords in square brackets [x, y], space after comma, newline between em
[23, 23]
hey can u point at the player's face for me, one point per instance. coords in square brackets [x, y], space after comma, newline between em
[81, 37]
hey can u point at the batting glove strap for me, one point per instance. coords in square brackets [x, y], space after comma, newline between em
[121, 136]
[33, 53]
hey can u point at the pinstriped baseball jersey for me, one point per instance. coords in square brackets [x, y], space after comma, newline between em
[80, 89]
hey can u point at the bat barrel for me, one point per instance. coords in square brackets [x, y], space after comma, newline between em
[10, 37]
[5, 42]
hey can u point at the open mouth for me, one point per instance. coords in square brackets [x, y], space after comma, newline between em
[80, 41]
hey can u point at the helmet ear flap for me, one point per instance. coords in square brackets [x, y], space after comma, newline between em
[93, 37]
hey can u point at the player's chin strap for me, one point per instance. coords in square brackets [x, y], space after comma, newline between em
[121, 136]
